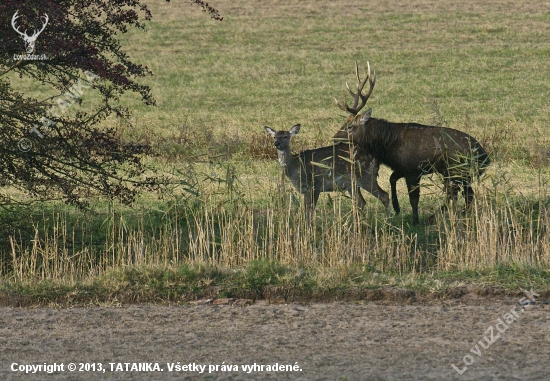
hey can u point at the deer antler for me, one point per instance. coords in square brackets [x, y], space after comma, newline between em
[15, 17]
[43, 24]
[354, 110]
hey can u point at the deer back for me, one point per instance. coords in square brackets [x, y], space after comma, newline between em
[413, 147]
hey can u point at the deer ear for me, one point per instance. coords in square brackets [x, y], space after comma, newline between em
[366, 116]
[270, 131]
[295, 129]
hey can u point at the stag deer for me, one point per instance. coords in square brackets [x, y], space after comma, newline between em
[29, 40]
[327, 169]
[412, 150]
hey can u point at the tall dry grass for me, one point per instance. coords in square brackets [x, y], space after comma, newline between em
[494, 231]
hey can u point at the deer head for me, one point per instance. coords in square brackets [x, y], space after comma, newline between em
[29, 40]
[282, 138]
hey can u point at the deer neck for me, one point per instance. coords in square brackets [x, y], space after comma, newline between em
[286, 160]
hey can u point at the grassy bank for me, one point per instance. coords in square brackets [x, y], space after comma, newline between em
[174, 253]
[276, 283]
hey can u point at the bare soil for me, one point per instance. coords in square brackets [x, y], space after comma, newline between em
[327, 341]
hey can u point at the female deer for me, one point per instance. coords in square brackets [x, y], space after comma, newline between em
[327, 169]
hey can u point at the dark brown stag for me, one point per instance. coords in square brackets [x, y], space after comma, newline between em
[412, 150]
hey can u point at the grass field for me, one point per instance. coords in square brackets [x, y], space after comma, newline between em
[481, 68]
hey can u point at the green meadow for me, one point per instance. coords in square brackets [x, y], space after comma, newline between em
[228, 227]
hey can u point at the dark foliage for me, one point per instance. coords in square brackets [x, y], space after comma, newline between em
[51, 147]
[45, 150]
[213, 12]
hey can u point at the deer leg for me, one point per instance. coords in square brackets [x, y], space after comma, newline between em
[367, 179]
[356, 196]
[309, 201]
[451, 189]
[374, 189]
[314, 194]
[468, 194]
[413, 186]
[384, 198]
[393, 183]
